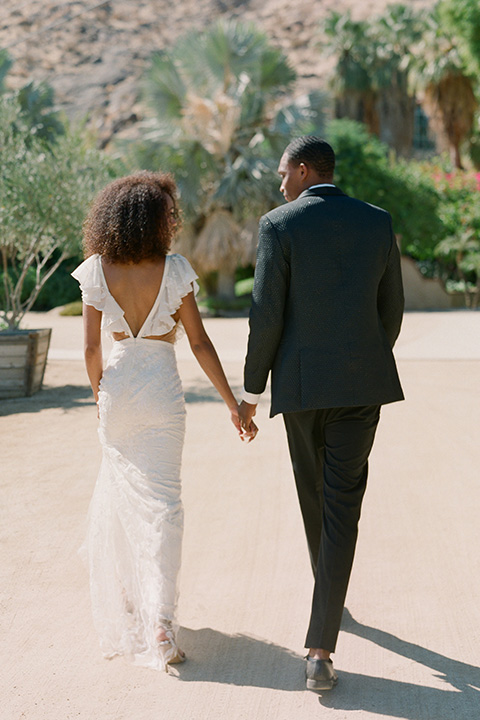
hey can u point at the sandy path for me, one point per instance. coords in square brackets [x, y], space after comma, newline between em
[410, 647]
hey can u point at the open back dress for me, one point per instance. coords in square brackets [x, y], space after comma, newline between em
[135, 520]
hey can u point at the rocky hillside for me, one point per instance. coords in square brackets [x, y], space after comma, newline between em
[94, 53]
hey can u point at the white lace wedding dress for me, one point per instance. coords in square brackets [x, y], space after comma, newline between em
[135, 521]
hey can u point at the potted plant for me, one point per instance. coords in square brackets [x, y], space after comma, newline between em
[45, 189]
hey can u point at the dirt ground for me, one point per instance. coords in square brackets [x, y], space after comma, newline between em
[410, 641]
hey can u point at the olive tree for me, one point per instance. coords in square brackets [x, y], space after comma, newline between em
[45, 190]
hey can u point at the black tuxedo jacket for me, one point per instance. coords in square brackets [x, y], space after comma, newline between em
[327, 304]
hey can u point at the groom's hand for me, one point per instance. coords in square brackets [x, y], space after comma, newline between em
[246, 412]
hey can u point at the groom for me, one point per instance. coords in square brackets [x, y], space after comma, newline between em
[327, 309]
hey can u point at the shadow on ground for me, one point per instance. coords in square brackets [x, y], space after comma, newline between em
[460, 700]
[248, 661]
[239, 660]
[67, 397]
[201, 393]
[70, 397]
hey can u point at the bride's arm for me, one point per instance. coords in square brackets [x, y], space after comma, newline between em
[205, 353]
[203, 349]
[92, 319]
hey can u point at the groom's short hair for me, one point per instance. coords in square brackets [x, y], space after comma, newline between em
[312, 151]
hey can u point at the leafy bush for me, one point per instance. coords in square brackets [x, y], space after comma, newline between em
[366, 169]
[459, 252]
[244, 287]
[238, 305]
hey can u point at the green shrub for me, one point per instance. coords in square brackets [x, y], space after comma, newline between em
[216, 305]
[367, 170]
[73, 309]
[244, 287]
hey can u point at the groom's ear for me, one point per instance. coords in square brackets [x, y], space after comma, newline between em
[306, 174]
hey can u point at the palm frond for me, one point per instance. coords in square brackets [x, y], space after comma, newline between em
[217, 245]
[36, 101]
[164, 87]
[215, 97]
[5, 65]
[305, 115]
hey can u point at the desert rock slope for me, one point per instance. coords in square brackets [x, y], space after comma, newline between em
[93, 53]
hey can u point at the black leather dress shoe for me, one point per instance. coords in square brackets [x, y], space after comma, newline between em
[320, 675]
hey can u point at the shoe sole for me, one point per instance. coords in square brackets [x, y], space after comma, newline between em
[318, 686]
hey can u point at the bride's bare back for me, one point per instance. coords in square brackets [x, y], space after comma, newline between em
[135, 287]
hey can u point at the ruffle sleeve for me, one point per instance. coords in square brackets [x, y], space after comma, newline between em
[95, 293]
[180, 281]
[92, 284]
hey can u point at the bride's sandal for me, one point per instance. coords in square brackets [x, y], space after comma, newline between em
[168, 648]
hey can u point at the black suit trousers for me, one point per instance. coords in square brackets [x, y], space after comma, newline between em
[329, 449]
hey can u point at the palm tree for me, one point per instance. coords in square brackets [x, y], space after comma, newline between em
[36, 103]
[442, 72]
[462, 17]
[372, 73]
[398, 33]
[220, 120]
[5, 65]
[355, 50]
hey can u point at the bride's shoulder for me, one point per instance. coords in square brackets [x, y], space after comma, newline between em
[181, 275]
[176, 257]
[179, 262]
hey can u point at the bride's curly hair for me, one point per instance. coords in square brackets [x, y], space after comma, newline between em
[130, 219]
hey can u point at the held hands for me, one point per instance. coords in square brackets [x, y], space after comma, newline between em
[247, 430]
[246, 412]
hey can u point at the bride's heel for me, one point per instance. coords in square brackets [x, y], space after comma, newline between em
[168, 648]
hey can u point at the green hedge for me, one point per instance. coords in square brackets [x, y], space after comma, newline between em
[367, 170]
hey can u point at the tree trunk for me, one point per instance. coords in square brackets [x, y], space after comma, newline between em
[451, 105]
[456, 156]
[359, 106]
[349, 105]
[226, 284]
[396, 112]
[370, 112]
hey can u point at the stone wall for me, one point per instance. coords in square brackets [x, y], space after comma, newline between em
[423, 293]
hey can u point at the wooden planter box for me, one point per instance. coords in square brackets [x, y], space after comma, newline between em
[23, 357]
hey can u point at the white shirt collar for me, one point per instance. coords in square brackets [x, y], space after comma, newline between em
[321, 185]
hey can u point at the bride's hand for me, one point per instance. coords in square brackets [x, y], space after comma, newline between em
[251, 433]
[235, 418]
[243, 434]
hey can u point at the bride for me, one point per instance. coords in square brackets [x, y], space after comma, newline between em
[143, 298]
